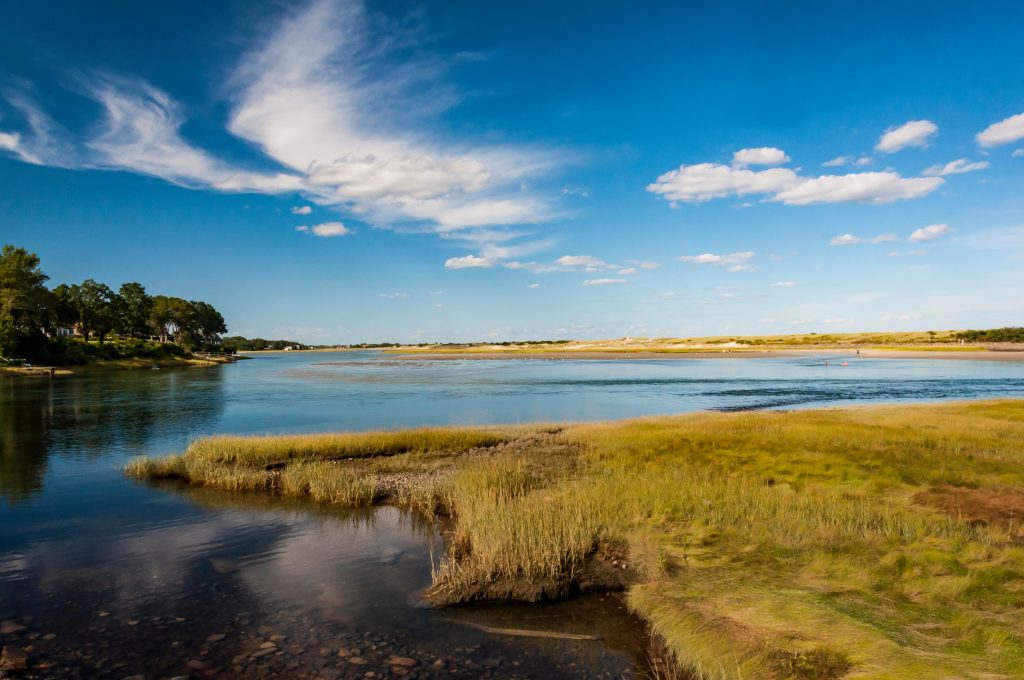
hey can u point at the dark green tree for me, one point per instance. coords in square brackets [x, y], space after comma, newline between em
[161, 316]
[207, 323]
[24, 302]
[135, 310]
[64, 314]
[97, 308]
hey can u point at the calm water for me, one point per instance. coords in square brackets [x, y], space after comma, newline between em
[128, 578]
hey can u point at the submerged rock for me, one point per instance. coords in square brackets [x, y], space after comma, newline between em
[13, 659]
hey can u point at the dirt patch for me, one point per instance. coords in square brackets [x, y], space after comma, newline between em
[1003, 507]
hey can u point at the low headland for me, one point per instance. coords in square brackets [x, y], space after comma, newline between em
[875, 542]
[1000, 344]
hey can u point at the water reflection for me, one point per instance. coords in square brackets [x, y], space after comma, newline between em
[89, 417]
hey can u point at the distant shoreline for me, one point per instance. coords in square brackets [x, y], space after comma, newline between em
[483, 355]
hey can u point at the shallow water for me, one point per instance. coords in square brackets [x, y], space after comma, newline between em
[133, 579]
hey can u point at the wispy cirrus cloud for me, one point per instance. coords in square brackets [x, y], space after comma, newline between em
[957, 167]
[341, 118]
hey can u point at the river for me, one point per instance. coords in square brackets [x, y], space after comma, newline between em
[104, 577]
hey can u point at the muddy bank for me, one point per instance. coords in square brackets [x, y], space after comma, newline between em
[606, 569]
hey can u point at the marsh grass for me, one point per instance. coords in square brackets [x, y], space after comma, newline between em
[767, 544]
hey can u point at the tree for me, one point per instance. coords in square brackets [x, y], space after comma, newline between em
[97, 308]
[135, 310]
[63, 312]
[208, 323]
[161, 315]
[24, 301]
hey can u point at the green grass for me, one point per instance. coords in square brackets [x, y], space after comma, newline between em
[767, 544]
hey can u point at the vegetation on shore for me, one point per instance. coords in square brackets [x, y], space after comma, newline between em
[56, 327]
[880, 542]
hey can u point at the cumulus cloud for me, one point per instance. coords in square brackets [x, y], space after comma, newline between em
[930, 233]
[585, 262]
[837, 162]
[325, 230]
[863, 187]
[764, 155]
[534, 286]
[705, 181]
[959, 166]
[302, 210]
[603, 282]
[784, 284]
[469, 262]
[627, 271]
[851, 240]
[911, 133]
[734, 262]
[1004, 132]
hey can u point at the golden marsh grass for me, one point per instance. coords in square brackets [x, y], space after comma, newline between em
[874, 542]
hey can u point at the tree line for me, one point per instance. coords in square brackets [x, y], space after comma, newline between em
[36, 322]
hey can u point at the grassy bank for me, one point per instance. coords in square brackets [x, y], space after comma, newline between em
[879, 542]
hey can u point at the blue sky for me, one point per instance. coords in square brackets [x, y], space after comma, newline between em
[333, 171]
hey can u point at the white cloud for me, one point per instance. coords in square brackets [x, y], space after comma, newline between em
[647, 265]
[301, 210]
[141, 133]
[735, 262]
[326, 230]
[911, 133]
[626, 271]
[1004, 132]
[864, 160]
[534, 286]
[930, 233]
[11, 141]
[705, 181]
[320, 97]
[1017, 153]
[586, 262]
[838, 162]
[345, 111]
[850, 239]
[784, 284]
[865, 187]
[469, 261]
[844, 240]
[959, 166]
[395, 296]
[765, 155]
[603, 282]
